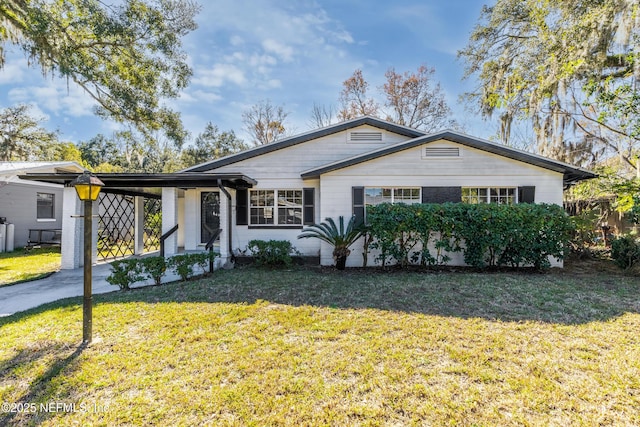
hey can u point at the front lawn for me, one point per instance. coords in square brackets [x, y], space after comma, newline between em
[21, 265]
[319, 347]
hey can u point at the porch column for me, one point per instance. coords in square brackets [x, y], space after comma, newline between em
[138, 225]
[72, 236]
[191, 221]
[170, 219]
[95, 223]
[224, 226]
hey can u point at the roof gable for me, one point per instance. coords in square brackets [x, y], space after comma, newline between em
[305, 137]
[571, 174]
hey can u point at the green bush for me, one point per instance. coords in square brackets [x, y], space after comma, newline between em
[154, 268]
[625, 251]
[124, 273]
[201, 259]
[184, 264]
[272, 253]
[488, 235]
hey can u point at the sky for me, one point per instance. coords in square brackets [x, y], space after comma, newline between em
[292, 53]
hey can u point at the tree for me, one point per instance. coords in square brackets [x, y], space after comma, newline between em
[415, 101]
[571, 67]
[211, 144]
[21, 136]
[321, 116]
[265, 122]
[412, 99]
[354, 99]
[126, 56]
[100, 150]
[61, 152]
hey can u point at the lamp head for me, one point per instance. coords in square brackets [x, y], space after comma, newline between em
[87, 186]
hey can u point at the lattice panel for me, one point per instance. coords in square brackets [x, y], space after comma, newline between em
[116, 226]
[152, 224]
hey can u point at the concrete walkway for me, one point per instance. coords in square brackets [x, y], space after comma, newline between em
[63, 284]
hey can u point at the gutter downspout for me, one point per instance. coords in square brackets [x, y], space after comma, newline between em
[229, 219]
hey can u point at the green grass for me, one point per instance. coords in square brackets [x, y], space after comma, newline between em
[318, 347]
[21, 265]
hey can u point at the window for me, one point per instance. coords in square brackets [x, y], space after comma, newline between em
[264, 210]
[375, 196]
[261, 207]
[45, 206]
[502, 196]
[290, 207]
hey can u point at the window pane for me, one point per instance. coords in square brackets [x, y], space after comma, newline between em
[474, 195]
[406, 195]
[44, 208]
[375, 196]
[503, 195]
[261, 205]
[290, 207]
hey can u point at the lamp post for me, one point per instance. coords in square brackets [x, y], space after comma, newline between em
[88, 188]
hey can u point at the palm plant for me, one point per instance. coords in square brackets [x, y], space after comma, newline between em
[338, 236]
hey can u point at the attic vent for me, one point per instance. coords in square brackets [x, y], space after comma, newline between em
[365, 136]
[442, 152]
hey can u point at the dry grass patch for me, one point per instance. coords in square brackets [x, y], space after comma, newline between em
[315, 347]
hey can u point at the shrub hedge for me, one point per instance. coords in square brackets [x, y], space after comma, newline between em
[272, 253]
[625, 251]
[488, 235]
[128, 271]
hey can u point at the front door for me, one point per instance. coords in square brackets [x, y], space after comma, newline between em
[209, 215]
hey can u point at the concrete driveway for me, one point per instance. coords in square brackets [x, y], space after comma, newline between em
[63, 284]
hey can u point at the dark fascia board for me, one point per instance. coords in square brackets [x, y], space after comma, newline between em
[142, 180]
[571, 174]
[299, 139]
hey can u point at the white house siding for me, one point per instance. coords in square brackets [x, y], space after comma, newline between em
[475, 168]
[280, 170]
[289, 163]
[243, 234]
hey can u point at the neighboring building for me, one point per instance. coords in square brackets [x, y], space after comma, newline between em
[272, 191]
[29, 204]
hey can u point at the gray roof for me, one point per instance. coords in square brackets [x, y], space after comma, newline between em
[152, 180]
[571, 174]
[15, 167]
[308, 136]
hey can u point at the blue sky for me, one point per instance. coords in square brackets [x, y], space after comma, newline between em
[294, 53]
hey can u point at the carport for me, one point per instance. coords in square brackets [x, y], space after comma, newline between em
[139, 186]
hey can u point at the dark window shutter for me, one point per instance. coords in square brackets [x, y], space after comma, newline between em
[358, 203]
[441, 194]
[242, 206]
[308, 206]
[526, 194]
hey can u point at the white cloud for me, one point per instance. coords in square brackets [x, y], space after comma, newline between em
[56, 97]
[283, 51]
[12, 73]
[262, 42]
[199, 96]
[236, 41]
[219, 75]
